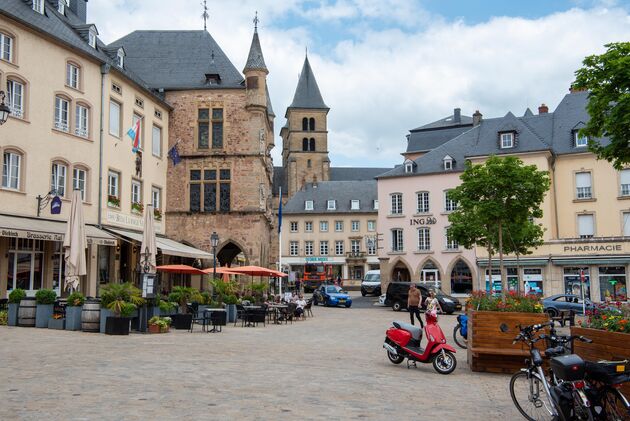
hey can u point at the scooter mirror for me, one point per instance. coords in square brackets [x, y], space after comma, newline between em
[504, 328]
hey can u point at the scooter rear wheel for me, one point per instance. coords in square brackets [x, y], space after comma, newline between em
[444, 362]
[395, 358]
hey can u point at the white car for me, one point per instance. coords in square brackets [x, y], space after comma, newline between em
[381, 299]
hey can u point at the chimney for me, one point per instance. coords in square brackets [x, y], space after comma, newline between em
[477, 118]
[79, 7]
[457, 115]
[573, 89]
[543, 109]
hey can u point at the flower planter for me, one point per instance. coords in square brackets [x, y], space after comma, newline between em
[231, 312]
[73, 317]
[606, 345]
[489, 349]
[105, 313]
[13, 314]
[156, 329]
[181, 321]
[43, 313]
[117, 325]
[59, 324]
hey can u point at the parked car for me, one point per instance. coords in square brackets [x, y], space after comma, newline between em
[331, 295]
[398, 292]
[371, 283]
[553, 304]
[381, 299]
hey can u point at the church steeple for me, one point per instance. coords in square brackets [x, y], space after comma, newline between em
[307, 93]
[256, 72]
[255, 59]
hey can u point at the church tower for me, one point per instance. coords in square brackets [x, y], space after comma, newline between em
[305, 135]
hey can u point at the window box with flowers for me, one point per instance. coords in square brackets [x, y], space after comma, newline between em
[608, 326]
[489, 349]
[137, 208]
[157, 214]
[159, 324]
[113, 201]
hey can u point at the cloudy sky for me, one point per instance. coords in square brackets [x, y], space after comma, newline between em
[386, 66]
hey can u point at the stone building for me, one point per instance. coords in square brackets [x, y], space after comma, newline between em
[222, 127]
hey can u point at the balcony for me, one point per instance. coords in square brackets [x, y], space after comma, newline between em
[16, 111]
[61, 125]
[81, 132]
[355, 255]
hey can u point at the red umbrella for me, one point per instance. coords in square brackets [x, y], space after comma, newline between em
[220, 270]
[253, 271]
[189, 270]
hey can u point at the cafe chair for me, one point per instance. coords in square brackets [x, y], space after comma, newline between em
[308, 308]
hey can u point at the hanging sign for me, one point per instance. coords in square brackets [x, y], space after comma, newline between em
[55, 205]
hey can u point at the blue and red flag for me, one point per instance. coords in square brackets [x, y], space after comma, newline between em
[134, 134]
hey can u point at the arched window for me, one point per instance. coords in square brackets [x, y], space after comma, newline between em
[16, 95]
[461, 278]
[305, 144]
[80, 181]
[7, 47]
[12, 167]
[62, 112]
[73, 75]
[311, 145]
[82, 120]
[304, 124]
[311, 124]
[430, 274]
[58, 177]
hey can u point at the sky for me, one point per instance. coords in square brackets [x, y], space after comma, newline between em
[387, 66]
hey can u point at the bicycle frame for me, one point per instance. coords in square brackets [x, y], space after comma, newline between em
[540, 375]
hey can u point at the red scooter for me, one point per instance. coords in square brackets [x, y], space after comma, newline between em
[403, 341]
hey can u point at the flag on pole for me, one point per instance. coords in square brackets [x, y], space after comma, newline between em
[280, 213]
[173, 153]
[134, 134]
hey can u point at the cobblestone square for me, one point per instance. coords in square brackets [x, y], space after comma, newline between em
[331, 366]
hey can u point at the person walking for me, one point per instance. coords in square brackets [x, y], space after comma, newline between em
[413, 304]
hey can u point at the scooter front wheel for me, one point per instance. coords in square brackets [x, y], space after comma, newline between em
[395, 358]
[444, 362]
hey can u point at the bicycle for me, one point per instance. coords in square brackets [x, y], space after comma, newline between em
[460, 332]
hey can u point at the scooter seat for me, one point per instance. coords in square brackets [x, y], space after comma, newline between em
[416, 332]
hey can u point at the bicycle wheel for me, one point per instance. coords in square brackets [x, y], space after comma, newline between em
[613, 408]
[529, 397]
[459, 339]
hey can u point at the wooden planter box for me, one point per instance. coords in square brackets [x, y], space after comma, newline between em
[613, 346]
[491, 350]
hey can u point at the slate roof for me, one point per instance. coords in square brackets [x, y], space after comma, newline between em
[178, 60]
[67, 29]
[455, 119]
[342, 191]
[255, 59]
[336, 174]
[307, 93]
[551, 132]
[432, 135]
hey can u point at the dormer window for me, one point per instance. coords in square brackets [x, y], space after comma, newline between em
[355, 204]
[120, 58]
[308, 205]
[38, 6]
[375, 205]
[332, 205]
[92, 37]
[507, 140]
[581, 141]
[448, 163]
[409, 166]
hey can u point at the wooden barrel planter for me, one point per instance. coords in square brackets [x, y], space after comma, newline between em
[489, 349]
[27, 311]
[91, 316]
[612, 346]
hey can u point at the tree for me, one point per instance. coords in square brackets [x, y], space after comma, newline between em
[500, 196]
[607, 78]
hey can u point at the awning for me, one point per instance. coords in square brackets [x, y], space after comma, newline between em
[48, 230]
[170, 247]
[593, 260]
[482, 263]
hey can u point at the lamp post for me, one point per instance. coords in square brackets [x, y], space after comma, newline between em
[4, 109]
[214, 242]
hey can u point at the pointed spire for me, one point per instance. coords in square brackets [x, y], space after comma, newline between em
[270, 112]
[307, 93]
[255, 59]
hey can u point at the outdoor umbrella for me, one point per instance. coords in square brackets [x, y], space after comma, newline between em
[185, 269]
[148, 251]
[75, 243]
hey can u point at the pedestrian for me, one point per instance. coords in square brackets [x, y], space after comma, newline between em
[297, 285]
[338, 281]
[432, 304]
[413, 304]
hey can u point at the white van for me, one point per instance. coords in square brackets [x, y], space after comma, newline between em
[371, 283]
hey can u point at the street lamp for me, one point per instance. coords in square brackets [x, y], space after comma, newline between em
[214, 242]
[4, 109]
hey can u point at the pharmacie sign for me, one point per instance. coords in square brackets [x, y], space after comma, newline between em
[593, 247]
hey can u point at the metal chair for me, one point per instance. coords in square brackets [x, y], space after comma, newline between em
[308, 308]
[193, 308]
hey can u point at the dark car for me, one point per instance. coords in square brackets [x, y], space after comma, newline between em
[555, 303]
[398, 292]
[331, 295]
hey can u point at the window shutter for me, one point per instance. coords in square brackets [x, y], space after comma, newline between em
[583, 179]
[625, 176]
[585, 225]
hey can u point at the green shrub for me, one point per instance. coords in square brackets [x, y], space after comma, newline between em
[120, 292]
[166, 306]
[76, 299]
[17, 295]
[4, 317]
[230, 299]
[45, 296]
[206, 298]
[184, 295]
[511, 302]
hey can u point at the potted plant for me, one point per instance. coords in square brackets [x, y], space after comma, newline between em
[159, 324]
[157, 214]
[167, 308]
[182, 296]
[137, 208]
[488, 348]
[15, 297]
[74, 309]
[113, 201]
[114, 300]
[4, 317]
[230, 307]
[57, 321]
[45, 300]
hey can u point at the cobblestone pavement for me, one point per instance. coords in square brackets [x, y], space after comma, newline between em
[329, 367]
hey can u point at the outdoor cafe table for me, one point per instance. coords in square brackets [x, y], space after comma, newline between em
[206, 316]
[276, 311]
[251, 308]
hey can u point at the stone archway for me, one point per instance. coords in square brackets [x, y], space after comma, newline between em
[461, 278]
[430, 273]
[228, 252]
[400, 272]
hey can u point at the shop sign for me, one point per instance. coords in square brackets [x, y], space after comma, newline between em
[316, 259]
[116, 218]
[594, 247]
[429, 220]
[31, 235]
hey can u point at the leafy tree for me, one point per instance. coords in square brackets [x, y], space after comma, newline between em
[500, 196]
[607, 78]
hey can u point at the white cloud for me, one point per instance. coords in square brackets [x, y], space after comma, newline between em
[381, 83]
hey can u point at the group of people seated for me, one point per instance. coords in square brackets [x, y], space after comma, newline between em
[288, 298]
